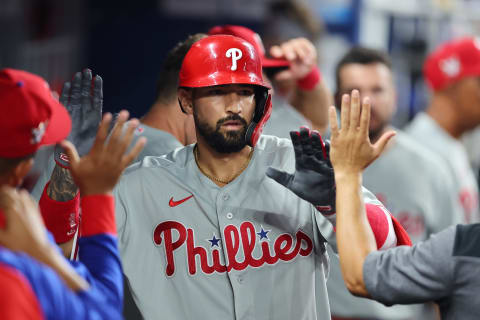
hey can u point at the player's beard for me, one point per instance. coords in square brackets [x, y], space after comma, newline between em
[223, 142]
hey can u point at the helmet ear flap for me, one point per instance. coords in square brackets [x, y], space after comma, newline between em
[263, 109]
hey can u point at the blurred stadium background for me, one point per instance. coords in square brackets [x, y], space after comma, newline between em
[126, 41]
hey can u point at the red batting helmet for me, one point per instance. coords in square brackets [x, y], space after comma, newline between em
[225, 59]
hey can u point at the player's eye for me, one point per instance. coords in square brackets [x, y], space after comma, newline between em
[215, 92]
[246, 92]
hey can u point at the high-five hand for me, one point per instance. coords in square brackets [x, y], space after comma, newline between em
[313, 179]
[351, 150]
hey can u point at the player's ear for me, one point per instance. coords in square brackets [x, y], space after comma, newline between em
[185, 100]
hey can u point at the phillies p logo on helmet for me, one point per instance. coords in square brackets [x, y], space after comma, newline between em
[235, 54]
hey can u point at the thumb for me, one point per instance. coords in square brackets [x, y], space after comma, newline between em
[71, 152]
[379, 146]
[281, 177]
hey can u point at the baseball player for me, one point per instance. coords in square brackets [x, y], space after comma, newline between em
[53, 288]
[452, 72]
[305, 98]
[411, 181]
[444, 268]
[205, 232]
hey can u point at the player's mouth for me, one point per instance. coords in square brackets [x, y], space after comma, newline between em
[233, 125]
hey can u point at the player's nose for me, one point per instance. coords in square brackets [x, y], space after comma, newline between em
[232, 102]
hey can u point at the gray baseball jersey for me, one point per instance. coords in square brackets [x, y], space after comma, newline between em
[159, 142]
[249, 250]
[415, 188]
[284, 118]
[444, 269]
[426, 131]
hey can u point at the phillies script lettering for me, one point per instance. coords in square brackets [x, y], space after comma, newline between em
[243, 238]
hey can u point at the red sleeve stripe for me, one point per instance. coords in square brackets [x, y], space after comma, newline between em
[98, 215]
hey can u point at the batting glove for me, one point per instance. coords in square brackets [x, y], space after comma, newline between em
[313, 179]
[84, 100]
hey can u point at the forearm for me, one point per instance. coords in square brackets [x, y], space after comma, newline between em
[355, 238]
[51, 257]
[62, 187]
[313, 104]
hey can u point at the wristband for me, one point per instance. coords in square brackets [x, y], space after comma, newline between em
[98, 215]
[309, 82]
[61, 218]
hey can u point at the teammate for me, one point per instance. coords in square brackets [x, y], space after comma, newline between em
[452, 71]
[300, 96]
[205, 232]
[444, 269]
[52, 289]
[411, 181]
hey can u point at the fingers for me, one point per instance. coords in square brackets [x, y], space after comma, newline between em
[281, 177]
[380, 145]
[354, 110]
[98, 93]
[365, 117]
[118, 128]
[65, 94]
[128, 158]
[118, 149]
[76, 95]
[102, 133]
[332, 118]
[85, 91]
[345, 113]
[305, 141]
[318, 146]
[71, 151]
[297, 146]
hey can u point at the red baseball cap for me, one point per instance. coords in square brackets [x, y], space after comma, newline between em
[253, 38]
[31, 116]
[452, 62]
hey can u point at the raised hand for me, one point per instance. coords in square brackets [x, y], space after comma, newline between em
[301, 54]
[83, 98]
[351, 150]
[313, 179]
[99, 171]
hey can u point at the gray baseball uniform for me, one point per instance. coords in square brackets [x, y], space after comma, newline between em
[159, 142]
[415, 188]
[426, 131]
[249, 250]
[284, 118]
[445, 269]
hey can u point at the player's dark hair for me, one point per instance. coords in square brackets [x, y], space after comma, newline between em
[167, 83]
[361, 55]
[7, 164]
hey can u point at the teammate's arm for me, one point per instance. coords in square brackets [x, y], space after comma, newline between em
[83, 98]
[310, 95]
[350, 153]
